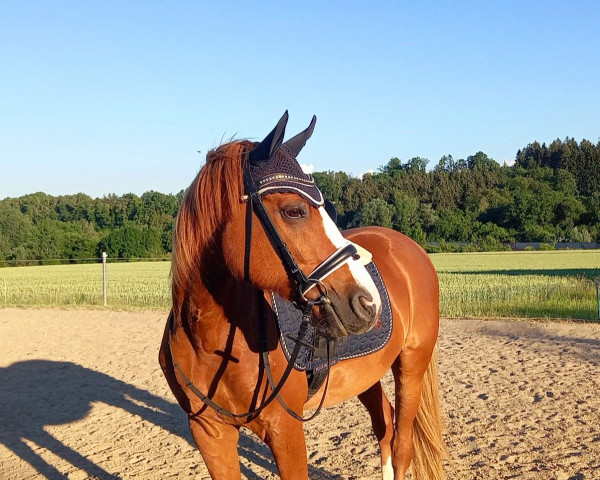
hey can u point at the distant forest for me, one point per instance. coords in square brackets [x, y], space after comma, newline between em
[551, 194]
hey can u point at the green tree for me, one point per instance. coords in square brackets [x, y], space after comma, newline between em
[73, 208]
[132, 242]
[405, 213]
[392, 167]
[417, 164]
[375, 212]
[38, 206]
[15, 227]
[48, 240]
[480, 161]
[453, 226]
[157, 209]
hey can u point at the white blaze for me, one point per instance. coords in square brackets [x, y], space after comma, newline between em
[357, 269]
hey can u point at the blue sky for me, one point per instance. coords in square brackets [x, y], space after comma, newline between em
[113, 97]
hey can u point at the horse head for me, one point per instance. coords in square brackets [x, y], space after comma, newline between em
[298, 253]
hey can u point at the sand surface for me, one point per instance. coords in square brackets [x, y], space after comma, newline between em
[521, 400]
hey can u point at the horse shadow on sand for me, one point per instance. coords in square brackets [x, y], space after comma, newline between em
[38, 393]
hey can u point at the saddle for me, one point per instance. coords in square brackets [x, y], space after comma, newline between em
[317, 352]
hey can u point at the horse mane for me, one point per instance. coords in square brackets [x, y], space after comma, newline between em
[207, 203]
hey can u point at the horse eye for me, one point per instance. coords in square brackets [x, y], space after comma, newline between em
[294, 212]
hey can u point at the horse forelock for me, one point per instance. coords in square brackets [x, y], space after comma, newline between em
[207, 204]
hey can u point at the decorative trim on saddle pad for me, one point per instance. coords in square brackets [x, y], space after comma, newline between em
[288, 320]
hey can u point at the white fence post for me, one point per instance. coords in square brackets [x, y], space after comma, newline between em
[104, 277]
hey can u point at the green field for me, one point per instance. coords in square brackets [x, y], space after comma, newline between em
[130, 285]
[555, 284]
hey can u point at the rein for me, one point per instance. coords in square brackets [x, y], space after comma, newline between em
[275, 388]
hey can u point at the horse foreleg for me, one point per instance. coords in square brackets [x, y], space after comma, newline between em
[408, 370]
[285, 438]
[382, 419]
[217, 443]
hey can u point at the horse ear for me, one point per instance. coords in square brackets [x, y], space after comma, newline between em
[296, 143]
[271, 143]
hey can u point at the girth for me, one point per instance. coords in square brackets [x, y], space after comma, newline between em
[324, 352]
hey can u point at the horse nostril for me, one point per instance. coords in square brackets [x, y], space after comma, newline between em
[368, 305]
[363, 306]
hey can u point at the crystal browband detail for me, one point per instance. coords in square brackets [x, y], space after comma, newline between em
[282, 176]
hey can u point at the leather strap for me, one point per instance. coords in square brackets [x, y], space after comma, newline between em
[255, 204]
[275, 388]
[324, 347]
[276, 241]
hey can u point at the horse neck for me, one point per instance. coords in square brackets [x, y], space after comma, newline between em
[218, 302]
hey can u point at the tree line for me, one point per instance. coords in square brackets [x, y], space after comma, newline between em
[44, 228]
[551, 194]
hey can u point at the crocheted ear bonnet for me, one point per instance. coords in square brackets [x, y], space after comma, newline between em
[274, 168]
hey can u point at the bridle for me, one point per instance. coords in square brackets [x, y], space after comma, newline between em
[303, 284]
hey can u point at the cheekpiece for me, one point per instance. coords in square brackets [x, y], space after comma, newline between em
[274, 168]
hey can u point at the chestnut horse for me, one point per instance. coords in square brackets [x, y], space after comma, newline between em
[221, 323]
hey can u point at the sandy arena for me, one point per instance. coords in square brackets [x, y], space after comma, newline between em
[521, 400]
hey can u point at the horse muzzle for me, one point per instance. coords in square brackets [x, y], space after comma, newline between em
[343, 316]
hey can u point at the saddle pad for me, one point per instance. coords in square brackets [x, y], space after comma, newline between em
[288, 319]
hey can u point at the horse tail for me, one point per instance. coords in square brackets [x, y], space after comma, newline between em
[429, 447]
